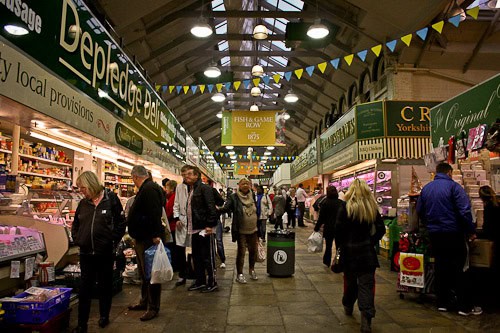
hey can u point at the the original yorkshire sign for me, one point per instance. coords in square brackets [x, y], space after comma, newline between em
[247, 128]
[341, 134]
[65, 37]
[408, 118]
[478, 105]
[306, 160]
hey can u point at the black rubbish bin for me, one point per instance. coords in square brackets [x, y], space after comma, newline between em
[280, 253]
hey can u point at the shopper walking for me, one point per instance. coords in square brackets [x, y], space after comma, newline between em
[279, 203]
[357, 230]
[145, 226]
[180, 219]
[329, 212]
[291, 208]
[446, 211]
[301, 202]
[264, 211]
[244, 227]
[98, 226]
[202, 221]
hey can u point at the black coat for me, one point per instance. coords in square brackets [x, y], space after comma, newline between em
[203, 210]
[329, 212]
[358, 245]
[144, 217]
[97, 229]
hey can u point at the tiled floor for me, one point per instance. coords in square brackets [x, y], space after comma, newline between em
[310, 301]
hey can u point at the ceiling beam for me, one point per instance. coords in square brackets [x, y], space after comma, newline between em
[165, 20]
[247, 14]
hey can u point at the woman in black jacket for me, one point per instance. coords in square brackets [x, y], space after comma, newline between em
[98, 226]
[328, 214]
[357, 230]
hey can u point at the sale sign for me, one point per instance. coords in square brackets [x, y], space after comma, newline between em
[411, 270]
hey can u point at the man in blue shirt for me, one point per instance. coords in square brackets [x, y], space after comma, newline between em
[446, 210]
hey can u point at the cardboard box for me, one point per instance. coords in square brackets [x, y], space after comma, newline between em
[480, 174]
[465, 166]
[481, 253]
[468, 174]
[484, 183]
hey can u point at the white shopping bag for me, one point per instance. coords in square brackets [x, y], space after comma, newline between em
[285, 219]
[161, 271]
[315, 242]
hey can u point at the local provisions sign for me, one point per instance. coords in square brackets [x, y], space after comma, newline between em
[478, 105]
[247, 128]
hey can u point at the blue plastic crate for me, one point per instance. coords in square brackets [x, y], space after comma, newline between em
[36, 312]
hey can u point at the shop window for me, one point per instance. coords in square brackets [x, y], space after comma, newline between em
[364, 86]
[342, 105]
[351, 97]
[320, 126]
[327, 120]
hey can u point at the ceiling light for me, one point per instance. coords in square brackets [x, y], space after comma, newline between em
[212, 71]
[15, 30]
[257, 70]
[264, 158]
[219, 114]
[270, 148]
[255, 91]
[231, 152]
[267, 153]
[286, 116]
[260, 32]
[254, 108]
[219, 97]
[291, 97]
[318, 30]
[202, 28]
[229, 147]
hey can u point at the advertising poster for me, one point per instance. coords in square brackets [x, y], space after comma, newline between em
[412, 270]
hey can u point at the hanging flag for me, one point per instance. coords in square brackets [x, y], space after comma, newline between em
[228, 86]
[288, 76]
[362, 55]
[240, 156]
[158, 87]
[246, 83]
[310, 70]
[299, 72]
[377, 49]
[348, 59]
[391, 45]
[474, 12]
[322, 67]
[256, 81]
[407, 39]
[335, 63]
[218, 86]
[164, 89]
[236, 85]
[455, 20]
[178, 88]
[258, 158]
[210, 88]
[193, 89]
[226, 154]
[422, 33]
[277, 78]
[186, 89]
[438, 26]
[171, 88]
[286, 158]
[202, 88]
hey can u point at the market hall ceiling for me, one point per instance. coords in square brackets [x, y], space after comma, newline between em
[156, 33]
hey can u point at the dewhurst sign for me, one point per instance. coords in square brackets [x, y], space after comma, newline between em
[66, 38]
[478, 105]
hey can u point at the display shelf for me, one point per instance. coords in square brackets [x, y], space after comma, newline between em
[45, 200]
[42, 175]
[5, 151]
[73, 250]
[36, 158]
[117, 182]
[20, 255]
[113, 173]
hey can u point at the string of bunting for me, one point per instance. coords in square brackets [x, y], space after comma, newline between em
[255, 157]
[264, 167]
[335, 63]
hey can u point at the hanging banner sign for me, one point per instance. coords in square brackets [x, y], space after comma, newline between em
[248, 128]
[478, 105]
[411, 270]
[66, 38]
[340, 135]
[306, 159]
[408, 118]
[128, 138]
[247, 168]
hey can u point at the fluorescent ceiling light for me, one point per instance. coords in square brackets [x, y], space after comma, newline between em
[231, 152]
[59, 143]
[254, 108]
[257, 70]
[104, 157]
[219, 97]
[318, 30]
[260, 32]
[291, 97]
[255, 91]
[212, 71]
[267, 153]
[229, 147]
[219, 114]
[16, 30]
[270, 147]
[202, 28]
[124, 165]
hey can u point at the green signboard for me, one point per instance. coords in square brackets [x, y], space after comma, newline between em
[66, 38]
[128, 138]
[478, 105]
[408, 118]
[370, 120]
[306, 160]
[338, 136]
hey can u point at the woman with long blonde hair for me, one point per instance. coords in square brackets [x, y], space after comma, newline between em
[357, 231]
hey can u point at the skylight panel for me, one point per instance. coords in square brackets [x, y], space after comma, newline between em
[223, 45]
[218, 6]
[280, 60]
[291, 5]
[221, 28]
[226, 61]
[280, 45]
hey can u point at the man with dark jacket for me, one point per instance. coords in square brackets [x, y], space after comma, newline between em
[202, 221]
[145, 226]
[445, 209]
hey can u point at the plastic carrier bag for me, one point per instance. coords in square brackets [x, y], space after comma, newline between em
[261, 251]
[315, 242]
[158, 266]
